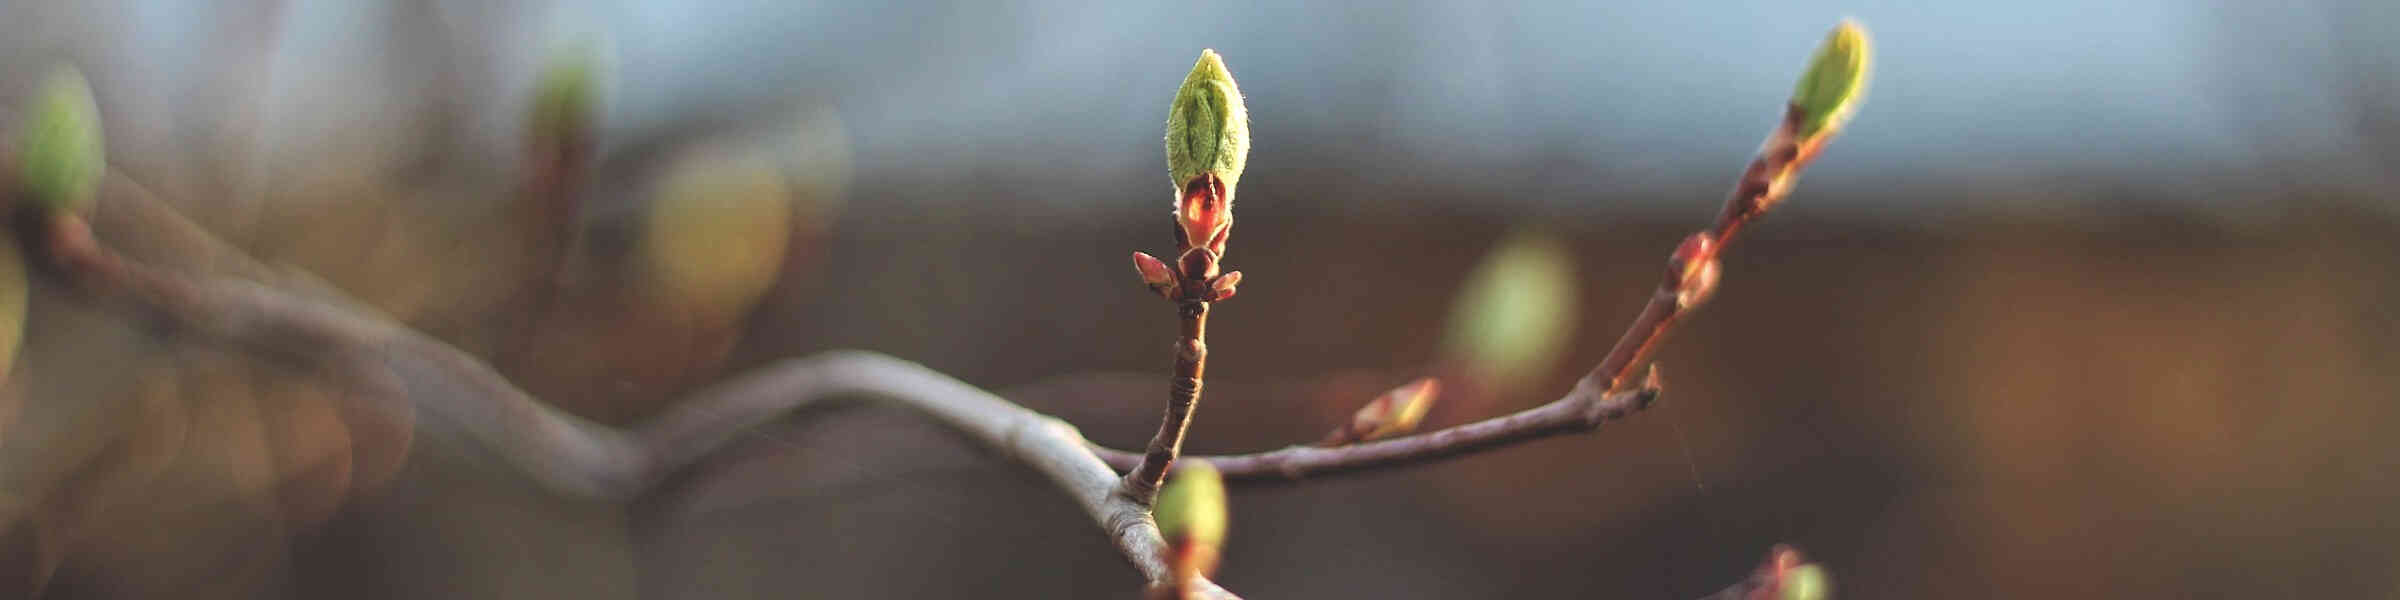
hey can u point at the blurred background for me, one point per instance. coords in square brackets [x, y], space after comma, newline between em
[2087, 302]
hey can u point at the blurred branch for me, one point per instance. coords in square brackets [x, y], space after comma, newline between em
[1049, 445]
[395, 364]
[557, 154]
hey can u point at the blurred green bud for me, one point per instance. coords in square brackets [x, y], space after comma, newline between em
[1208, 130]
[12, 302]
[1515, 312]
[1830, 89]
[59, 155]
[1806, 582]
[719, 225]
[568, 96]
[1191, 509]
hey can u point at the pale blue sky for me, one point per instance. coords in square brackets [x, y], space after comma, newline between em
[1636, 94]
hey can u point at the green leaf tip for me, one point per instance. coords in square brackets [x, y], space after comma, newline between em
[569, 91]
[59, 155]
[1806, 582]
[1830, 89]
[1208, 129]
[1191, 509]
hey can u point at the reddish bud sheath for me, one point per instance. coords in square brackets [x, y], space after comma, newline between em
[1204, 212]
[1223, 286]
[1154, 272]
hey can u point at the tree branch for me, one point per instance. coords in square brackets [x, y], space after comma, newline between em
[407, 369]
[403, 368]
[1049, 445]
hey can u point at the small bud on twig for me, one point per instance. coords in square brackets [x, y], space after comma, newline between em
[1222, 287]
[1829, 90]
[1695, 270]
[1154, 272]
[1191, 514]
[1396, 412]
[59, 155]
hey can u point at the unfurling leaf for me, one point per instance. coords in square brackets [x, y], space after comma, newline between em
[1208, 129]
[1191, 514]
[1829, 90]
[1208, 140]
[1396, 412]
[1515, 312]
[59, 155]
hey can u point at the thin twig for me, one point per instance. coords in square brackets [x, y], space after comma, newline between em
[1183, 394]
[1583, 409]
[546, 212]
[1692, 270]
[1193, 284]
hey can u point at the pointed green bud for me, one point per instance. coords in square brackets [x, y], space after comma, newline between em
[59, 156]
[1208, 130]
[1806, 582]
[1191, 509]
[568, 95]
[1831, 87]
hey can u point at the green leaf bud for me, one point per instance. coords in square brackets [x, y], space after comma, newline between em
[1208, 130]
[1831, 88]
[1191, 508]
[59, 156]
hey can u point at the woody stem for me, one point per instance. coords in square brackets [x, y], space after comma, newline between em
[1183, 392]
